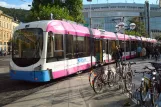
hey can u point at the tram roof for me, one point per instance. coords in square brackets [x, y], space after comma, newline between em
[121, 36]
[72, 28]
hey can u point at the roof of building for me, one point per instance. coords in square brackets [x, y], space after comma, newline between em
[118, 4]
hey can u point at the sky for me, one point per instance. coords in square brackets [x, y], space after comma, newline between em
[23, 4]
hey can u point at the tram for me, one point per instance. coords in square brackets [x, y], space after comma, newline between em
[51, 49]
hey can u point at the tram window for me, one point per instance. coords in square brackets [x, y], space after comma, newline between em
[87, 46]
[133, 45]
[127, 46]
[81, 46]
[55, 48]
[107, 47]
[69, 46]
[58, 42]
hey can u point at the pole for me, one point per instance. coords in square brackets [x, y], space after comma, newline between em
[90, 16]
[124, 46]
[148, 14]
[91, 37]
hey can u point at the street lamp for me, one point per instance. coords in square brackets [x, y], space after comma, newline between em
[121, 28]
[90, 13]
[91, 40]
[132, 26]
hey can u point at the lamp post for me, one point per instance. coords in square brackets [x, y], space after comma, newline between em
[90, 13]
[91, 40]
[121, 27]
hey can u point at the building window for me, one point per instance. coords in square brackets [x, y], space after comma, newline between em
[4, 35]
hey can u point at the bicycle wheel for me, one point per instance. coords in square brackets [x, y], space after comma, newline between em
[117, 80]
[111, 78]
[98, 84]
[128, 82]
[143, 92]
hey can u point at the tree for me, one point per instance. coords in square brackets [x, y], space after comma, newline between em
[75, 9]
[45, 11]
[70, 10]
[140, 27]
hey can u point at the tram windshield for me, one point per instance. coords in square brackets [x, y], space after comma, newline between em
[27, 46]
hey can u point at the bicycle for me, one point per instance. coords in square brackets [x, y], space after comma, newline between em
[157, 88]
[148, 87]
[128, 77]
[120, 76]
[106, 76]
[93, 73]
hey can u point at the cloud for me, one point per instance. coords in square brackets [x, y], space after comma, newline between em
[22, 6]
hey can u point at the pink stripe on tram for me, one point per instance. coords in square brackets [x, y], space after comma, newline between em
[62, 73]
[59, 74]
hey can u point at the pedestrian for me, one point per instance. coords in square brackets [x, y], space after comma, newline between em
[117, 56]
[120, 51]
[139, 51]
[147, 52]
[156, 53]
[143, 52]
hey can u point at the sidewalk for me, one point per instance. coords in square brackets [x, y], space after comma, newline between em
[75, 91]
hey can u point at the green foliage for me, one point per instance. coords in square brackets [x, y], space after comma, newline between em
[19, 14]
[45, 11]
[75, 9]
[140, 27]
[70, 10]
[133, 33]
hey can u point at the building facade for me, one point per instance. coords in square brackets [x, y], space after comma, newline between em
[106, 16]
[6, 29]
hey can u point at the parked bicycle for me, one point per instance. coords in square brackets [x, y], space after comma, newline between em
[105, 77]
[94, 71]
[128, 77]
[123, 77]
[149, 87]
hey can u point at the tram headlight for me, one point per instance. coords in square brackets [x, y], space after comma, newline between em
[142, 79]
[38, 68]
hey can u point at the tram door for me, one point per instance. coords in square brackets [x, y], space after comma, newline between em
[98, 50]
[111, 48]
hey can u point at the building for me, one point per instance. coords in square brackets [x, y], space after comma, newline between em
[6, 29]
[107, 15]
